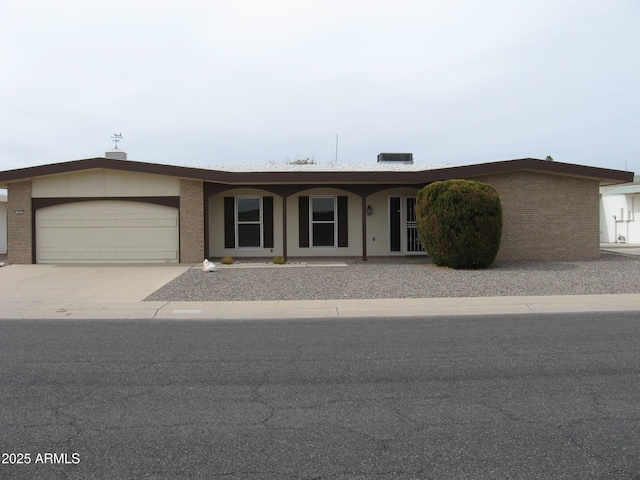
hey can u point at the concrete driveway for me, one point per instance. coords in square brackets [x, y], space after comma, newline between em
[631, 249]
[82, 283]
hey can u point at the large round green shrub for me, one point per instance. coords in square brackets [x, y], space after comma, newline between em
[459, 223]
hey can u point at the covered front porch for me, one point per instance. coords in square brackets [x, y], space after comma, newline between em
[310, 221]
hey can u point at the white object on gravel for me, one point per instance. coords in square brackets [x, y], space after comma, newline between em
[208, 266]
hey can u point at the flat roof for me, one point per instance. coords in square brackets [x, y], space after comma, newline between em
[323, 174]
[327, 167]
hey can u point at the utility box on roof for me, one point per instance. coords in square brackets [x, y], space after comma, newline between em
[404, 158]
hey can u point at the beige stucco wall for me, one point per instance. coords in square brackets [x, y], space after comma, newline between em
[216, 226]
[547, 217]
[105, 183]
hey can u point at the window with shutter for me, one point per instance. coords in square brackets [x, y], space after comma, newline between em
[248, 222]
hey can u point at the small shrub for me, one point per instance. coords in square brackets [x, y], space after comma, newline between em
[227, 261]
[459, 223]
[279, 260]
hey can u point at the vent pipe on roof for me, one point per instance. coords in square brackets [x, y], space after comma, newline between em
[403, 158]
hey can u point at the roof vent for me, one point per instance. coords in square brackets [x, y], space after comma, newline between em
[116, 153]
[404, 158]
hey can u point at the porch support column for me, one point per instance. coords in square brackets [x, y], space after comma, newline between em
[284, 226]
[364, 228]
[205, 203]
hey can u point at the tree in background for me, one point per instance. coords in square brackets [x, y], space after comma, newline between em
[303, 161]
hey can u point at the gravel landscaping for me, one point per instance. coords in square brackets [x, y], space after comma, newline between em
[611, 274]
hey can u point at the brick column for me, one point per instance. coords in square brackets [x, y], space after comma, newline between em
[19, 223]
[191, 221]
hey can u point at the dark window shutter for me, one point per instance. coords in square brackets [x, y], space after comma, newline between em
[343, 222]
[303, 221]
[229, 222]
[394, 223]
[267, 221]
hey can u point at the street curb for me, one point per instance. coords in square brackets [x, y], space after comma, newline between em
[297, 309]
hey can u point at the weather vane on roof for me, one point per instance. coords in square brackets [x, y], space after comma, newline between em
[116, 138]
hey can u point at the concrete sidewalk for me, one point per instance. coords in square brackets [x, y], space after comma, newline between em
[118, 291]
[320, 308]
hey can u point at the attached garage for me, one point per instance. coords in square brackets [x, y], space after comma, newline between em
[107, 231]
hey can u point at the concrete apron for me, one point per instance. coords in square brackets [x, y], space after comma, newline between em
[81, 283]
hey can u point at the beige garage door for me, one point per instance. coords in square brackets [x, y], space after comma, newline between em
[107, 232]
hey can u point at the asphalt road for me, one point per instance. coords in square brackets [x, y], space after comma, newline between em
[517, 397]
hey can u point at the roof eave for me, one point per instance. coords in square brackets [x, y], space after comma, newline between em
[603, 175]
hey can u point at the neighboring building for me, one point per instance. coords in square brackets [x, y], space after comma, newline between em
[620, 213]
[114, 210]
[3, 223]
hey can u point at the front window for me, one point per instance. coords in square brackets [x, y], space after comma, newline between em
[249, 222]
[323, 221]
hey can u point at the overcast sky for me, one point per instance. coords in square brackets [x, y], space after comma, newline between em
[212, 82]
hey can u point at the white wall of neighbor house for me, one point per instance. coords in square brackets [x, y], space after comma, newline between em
[378, 231]
[354, 209]
[216, 226]
[105, 183]
[625, 227]
[3, 223]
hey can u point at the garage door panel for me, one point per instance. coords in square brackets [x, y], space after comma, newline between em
[105, 254]
[107, 231]
[106, 221]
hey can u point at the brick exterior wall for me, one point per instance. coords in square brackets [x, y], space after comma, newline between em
[19, 227]
[191, 221]
[547, 217]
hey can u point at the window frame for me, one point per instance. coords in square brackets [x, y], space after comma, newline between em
[333, 222]
[259, 222]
